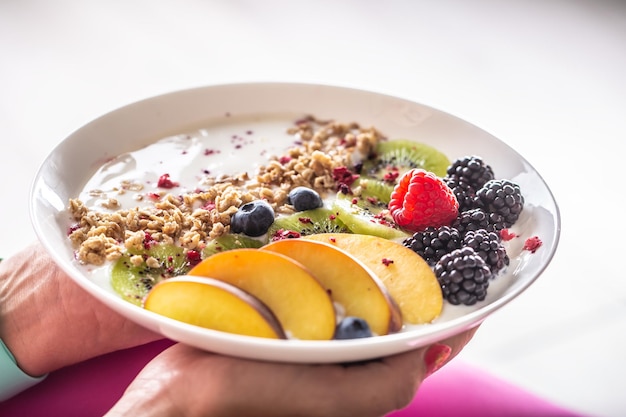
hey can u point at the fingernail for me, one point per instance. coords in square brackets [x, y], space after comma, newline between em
[435, 357]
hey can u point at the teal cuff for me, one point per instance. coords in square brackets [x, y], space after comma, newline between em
[12, 379]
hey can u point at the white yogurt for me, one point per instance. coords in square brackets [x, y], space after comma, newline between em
[240, 145]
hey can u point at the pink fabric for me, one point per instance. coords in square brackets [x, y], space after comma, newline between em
[92, 387]
[83, 390]
[461, 390]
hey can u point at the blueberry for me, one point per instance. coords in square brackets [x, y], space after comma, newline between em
[252, 219]
[352, 328]
[304, 198]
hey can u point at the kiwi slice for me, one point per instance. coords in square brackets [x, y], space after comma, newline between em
[133, 280]
[308, 222]
[397, 156]
[363, 209]
[375, 192]
[366, 217]
[228, 242]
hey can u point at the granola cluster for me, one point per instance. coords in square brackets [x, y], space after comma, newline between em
[190, 220]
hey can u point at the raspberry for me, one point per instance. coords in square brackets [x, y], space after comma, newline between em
[421, 199]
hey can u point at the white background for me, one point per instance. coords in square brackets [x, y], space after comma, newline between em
[548, 77]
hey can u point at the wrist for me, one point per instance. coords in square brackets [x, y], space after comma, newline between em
[32, 311]
[12, 379]
[48, 321]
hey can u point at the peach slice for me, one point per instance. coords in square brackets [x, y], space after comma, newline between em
[408, 277]
[299, 301]
[213, 304]
[350, 283]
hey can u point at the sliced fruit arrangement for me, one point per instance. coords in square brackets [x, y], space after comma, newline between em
[349, 282]
[408, 278]
[296, 297]
[319, 287]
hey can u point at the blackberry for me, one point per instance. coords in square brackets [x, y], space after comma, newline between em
[464, 192]
[502, 197]
[477, 219]
[432, 243]
[463, 276]
[472, 169]
[489, 246]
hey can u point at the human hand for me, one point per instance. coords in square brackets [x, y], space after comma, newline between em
[186, 381]
[47, 321]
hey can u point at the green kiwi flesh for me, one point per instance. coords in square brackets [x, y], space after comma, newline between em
[308, 222]
[133, 282]
[364, 220]
[374, 192]
[400, 155]
[228, 242]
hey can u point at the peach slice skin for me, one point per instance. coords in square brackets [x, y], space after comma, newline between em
[347, 280]
[407, 276]
[295, 296]
[213, 304]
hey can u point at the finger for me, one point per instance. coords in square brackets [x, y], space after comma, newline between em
[442, 352]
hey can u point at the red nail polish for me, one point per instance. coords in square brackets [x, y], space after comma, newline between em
[435, 357]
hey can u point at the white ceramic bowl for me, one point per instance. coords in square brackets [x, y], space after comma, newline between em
[66, 170]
